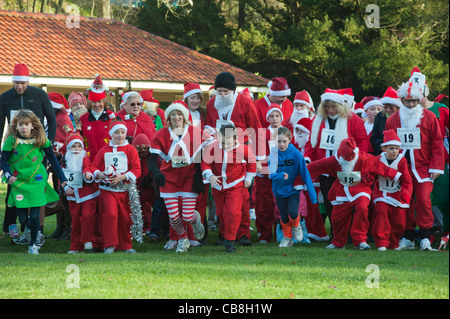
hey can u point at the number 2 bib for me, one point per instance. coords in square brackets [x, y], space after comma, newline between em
[117, 159]
[410, 138]
[349, 178]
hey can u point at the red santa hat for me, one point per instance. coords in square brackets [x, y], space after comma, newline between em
[191, 88]
[303, 97]
[347, 149]
[391, 97]
[20, 73]
[115, 125]
[246, 92]
[349, 97]
[358, 108]
[333, 95]
[369, 101]
[73, 138]
[178, 106]
[304, 124]
[212, 91]
[58, 101]
[141, 139]
[274, 107]
[98, 90]
[76, 97]
[279, 87]
[391, 138]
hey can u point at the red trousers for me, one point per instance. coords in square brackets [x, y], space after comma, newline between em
[83, 222]
[229, 210]
[314, 221]
[116, 219]
[388, 225]
[341, 219]
[265, 218]
[420, 212]
[147, 198]
[244, 227]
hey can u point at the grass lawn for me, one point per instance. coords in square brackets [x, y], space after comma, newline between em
[262, 271]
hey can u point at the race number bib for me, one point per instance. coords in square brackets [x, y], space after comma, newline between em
[349, 178]
[220, 123]
[119, 160]
[388, 185]
[179, 161]
[327, 140]
[74, 179]
[410, 138]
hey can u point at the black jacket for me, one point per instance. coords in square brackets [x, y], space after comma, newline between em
[377, 136]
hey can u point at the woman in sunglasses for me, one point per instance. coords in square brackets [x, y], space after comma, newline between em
[136, 120]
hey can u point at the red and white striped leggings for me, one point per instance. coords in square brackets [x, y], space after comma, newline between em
[187, 212]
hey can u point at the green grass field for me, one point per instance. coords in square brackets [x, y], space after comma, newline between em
[262, 271]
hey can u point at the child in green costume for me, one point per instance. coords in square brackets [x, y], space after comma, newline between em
[21, 161]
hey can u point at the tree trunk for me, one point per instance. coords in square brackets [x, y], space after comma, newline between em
[106, 9]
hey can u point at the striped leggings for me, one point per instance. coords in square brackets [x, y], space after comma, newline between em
[173, 209]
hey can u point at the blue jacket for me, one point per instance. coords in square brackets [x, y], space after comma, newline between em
[291, 162]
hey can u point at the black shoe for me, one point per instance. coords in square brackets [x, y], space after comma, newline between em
[94, 251]
[244, 241]
[65, 235]
[230, 246]
[57, 233]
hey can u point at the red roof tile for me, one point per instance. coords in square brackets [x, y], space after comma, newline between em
[113, 49]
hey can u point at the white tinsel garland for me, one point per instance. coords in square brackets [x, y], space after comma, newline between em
[137, 222]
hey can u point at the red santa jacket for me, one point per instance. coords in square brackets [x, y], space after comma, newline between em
[89, 190]
[142, 123]
[353, 126]
[95, 133]
[62, 120]
[430, 157]
[124, 158]
[175, 151]
[234, 166]
[398, 193]
[342, 189]
[262, 106]
[244, 116]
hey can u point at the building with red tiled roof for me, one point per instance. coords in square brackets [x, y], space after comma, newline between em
[64, 53]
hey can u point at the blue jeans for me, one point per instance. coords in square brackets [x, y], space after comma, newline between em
[288, 207]
[32, 222]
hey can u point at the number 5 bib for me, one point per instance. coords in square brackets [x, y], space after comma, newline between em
[117, 159]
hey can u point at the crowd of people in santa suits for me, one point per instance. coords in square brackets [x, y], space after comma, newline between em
[377, 169]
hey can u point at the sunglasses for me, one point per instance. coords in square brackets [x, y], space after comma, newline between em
[134, 104]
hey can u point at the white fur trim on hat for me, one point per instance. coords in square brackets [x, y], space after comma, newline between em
[280, 93]
[301, 127]
[410, 89]
[177, 107]
[56, 105]
[274, 109]
[116, 127]
[390, 100]
[393, 142]
[338, 98]
[189, 93]
[372, 103]
[76, 140]
[20, 78]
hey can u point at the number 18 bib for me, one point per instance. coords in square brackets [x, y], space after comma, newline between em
[349, 178]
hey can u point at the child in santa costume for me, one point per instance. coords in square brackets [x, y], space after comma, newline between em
[391, 198]
[229, 167]
[421, 137]
[265, 203]
[303, 107]
[82, 193]
[351, 190]
[123, 159]
[287, 168]
[372, 106]
[179, 177]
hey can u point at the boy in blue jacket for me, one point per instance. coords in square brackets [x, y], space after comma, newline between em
[287, 170]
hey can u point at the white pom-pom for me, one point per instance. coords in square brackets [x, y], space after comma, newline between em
[356, 150]
[269, 85]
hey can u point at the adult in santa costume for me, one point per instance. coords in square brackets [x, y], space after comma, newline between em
[421, 137]
[136, 120]
[179, 178]
[95, 123]
[333, 123]
[115, 165]
[151, 107]
[391, 104]
[83, 195]
[391, 198]
[279, 92]
[230, 107]
[351, 190]
[230, 167]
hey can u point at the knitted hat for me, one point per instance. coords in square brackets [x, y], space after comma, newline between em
[115, 125]
[391, 138]
[58, 101]
[369, 101]
[20, 73]
[141, 139]
[333, 95]
[225, 80]
[274, 107]
[303, 97]
[178, 106]
[347, 149]
[76, 97]
[191, 88]
[279, 87]
[391, 97]
[73, 138]
[305, 124]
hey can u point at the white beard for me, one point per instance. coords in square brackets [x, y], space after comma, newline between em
[224, 104]
[74, 160]
[301, 139]
[348, 166]
[297, 115]
[410, 118]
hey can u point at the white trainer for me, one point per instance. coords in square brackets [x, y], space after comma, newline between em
[286, 242]
[298, 232]
[33, 250]
[362, 246]
[183, 245]
[199, 229]
[406, 244]
[425, 244]
[381, 248]
[88, 245]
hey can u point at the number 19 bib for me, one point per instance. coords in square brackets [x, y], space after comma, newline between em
[118, 159]
[410, 138]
